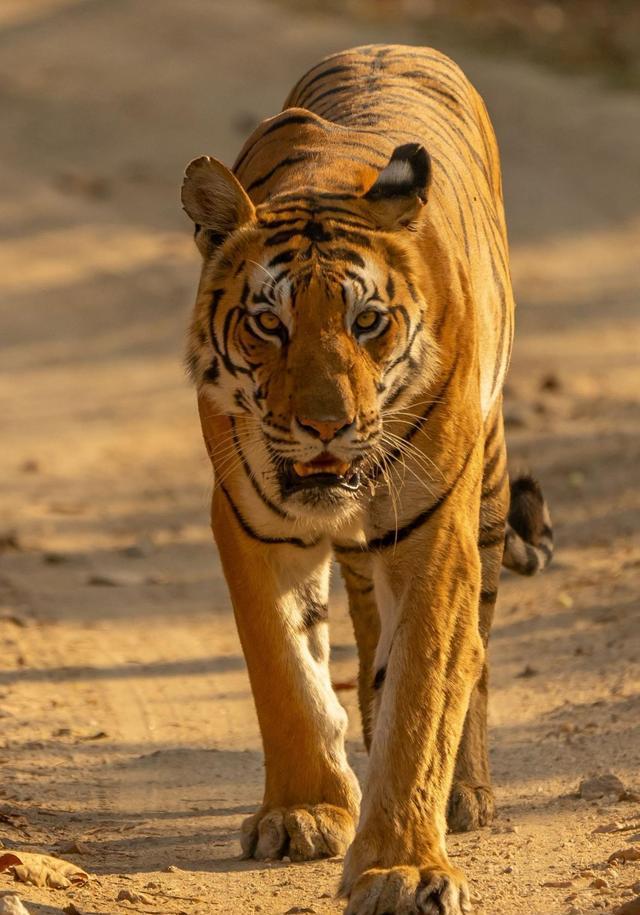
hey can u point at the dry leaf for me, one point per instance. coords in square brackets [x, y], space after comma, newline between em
[125, 579]
[77, 847]
[42, 870]
[618, 826]
[135, 896]
[609, 827]
[624, 854]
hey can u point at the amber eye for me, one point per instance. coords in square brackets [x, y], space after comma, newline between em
[268, 322]
[367, 320]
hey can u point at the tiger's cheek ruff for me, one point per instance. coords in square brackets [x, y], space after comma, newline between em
[222, 370]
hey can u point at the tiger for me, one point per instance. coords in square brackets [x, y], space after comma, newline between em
[350, 338]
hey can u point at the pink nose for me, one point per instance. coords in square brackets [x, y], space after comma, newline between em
[325, 429]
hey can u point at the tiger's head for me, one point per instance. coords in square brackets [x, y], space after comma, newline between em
[310, 324]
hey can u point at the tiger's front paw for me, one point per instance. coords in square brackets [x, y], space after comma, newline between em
[436, 890]
[303, 832]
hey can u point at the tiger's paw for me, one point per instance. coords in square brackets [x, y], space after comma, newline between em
[303, 832]
[470, 807]
[426, 890]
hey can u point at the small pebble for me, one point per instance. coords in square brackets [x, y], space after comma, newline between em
[632, 907]
[599, 786]
[599, 883]
[528, 671]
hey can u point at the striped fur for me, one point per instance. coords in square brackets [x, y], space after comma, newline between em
[355, 313]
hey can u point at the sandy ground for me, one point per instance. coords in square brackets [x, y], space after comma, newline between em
[126, 721]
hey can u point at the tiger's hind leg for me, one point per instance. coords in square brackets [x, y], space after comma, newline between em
[471, 802]
[357, 575]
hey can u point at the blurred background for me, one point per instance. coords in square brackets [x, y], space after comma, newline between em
[126, 721]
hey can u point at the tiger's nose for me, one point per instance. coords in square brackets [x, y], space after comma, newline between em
[325, 429]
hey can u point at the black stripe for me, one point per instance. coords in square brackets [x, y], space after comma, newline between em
[213, 308]
[448, 65]
[285, 122]
[245, 466]
[309, 101]
[492, 536]
[489, 493]
[423, 75]
[396, 393]
[356, 238]
[488, 442]
[302, 87]
[313, 613]
[229, 364]
[379, 678]
[343, 550]
[281, 237]
[397, 536]
[491, 464]
[268, 224]
[357, 279]
[391, 288]
[417, 425]
[348, 255]
[290, 160]
[250, 532]
[212, 372]
[285, 257]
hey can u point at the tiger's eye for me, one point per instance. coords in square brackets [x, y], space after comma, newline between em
[367, 320]
[267, 321]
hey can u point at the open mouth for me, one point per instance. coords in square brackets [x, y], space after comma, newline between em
[323, 471]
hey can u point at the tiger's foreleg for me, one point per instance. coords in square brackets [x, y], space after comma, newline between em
[429, 658]
[471, 803]
[363, 609]
[279, 595]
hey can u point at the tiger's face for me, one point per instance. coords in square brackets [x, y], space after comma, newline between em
[309, 330]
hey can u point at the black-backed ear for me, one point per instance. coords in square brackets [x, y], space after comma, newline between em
[215, 200]
[400, 190]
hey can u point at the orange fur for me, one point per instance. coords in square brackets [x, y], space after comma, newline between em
[349, 342]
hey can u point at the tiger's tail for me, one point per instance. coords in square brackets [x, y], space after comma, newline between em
[528, 540]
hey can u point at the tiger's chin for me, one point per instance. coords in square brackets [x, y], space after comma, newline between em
[327, 486]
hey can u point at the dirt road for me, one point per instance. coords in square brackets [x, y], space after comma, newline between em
[126, 721]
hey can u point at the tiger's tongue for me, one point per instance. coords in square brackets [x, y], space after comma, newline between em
[324, 463]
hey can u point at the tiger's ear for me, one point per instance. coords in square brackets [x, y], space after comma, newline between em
[215, 200]
[400, 190]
